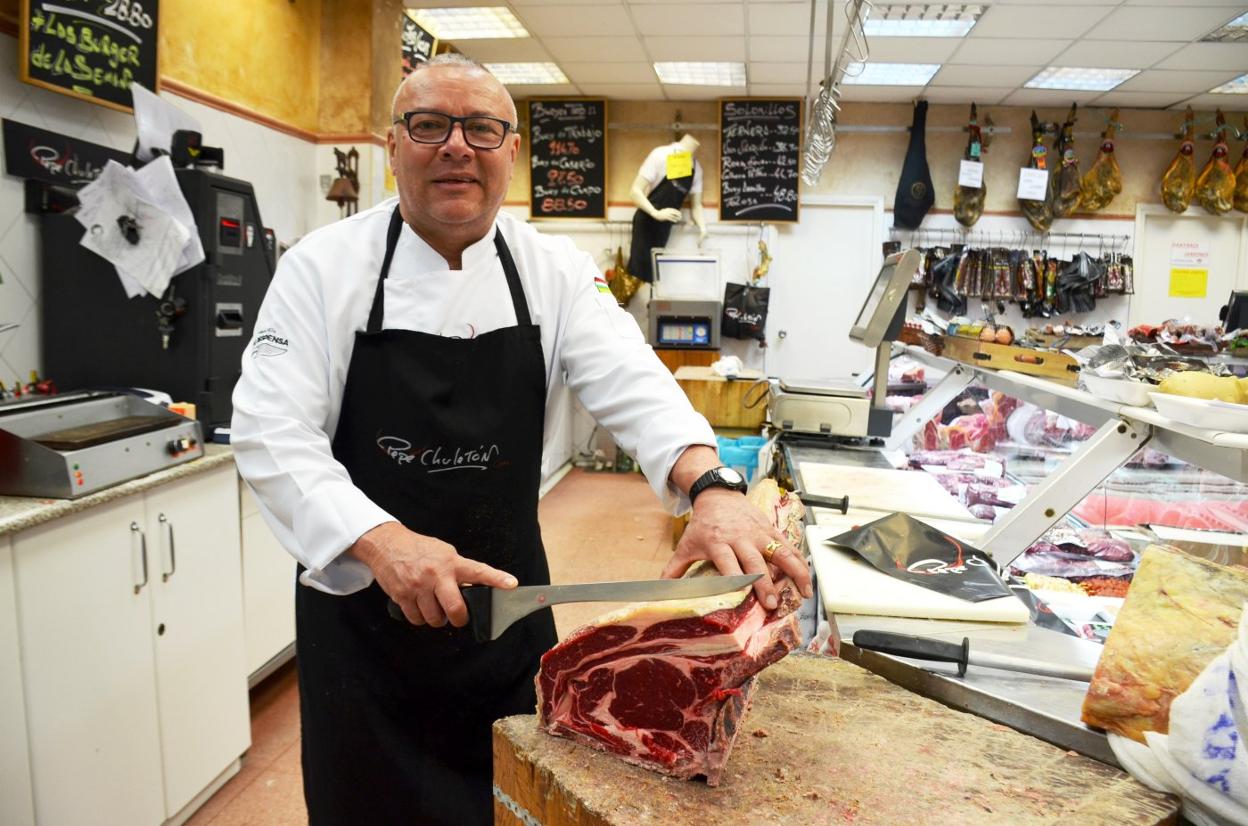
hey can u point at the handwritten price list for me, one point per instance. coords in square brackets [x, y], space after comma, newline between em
[567, 158]
[759, 149]
[92, 49]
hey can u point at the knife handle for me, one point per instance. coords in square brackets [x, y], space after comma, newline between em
[919, 648]
[478, 600]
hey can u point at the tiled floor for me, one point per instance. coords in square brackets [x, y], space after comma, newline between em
[596, 526]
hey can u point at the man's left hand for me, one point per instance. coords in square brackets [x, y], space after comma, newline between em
[730, 532]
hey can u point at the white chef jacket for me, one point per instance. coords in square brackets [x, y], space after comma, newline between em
[287, 402]
[654, 168]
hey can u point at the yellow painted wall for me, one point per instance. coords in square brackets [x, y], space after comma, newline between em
[345, 63]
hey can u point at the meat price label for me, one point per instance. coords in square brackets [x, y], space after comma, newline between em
[759, 158]
[567, 158]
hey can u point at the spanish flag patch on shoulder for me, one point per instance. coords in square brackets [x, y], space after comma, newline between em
[601, 284]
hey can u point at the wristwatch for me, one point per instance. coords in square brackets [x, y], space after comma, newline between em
[720, 477]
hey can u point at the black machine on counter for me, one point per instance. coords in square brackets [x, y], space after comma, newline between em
[189, 342]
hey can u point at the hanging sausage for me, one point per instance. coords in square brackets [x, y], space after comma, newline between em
[1037, 212]
[1064, 183]
[1179, 182]
[1241, 174]
[1215, 188]
[968, 202]
[1104, 180]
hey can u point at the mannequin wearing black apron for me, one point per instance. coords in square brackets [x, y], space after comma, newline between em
[396, 718]
[649, 232]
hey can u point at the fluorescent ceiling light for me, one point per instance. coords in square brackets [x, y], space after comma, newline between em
[701, 74]
[944, 20]
[1080, 80]
[469, 23]
[1234, 32]
[1238, 86]
[527, 72]
[890, 74]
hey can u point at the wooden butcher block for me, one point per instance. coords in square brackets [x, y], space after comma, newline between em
[826, 742]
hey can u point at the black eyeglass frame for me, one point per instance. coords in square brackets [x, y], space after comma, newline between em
[406, 119]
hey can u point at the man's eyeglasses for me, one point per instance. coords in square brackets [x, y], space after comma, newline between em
[480, 131]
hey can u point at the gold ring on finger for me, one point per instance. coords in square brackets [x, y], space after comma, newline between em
[770, 551]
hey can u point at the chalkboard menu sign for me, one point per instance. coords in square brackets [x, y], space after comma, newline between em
[567, 158]
[759, 145]
[90, 49]
[417, 43]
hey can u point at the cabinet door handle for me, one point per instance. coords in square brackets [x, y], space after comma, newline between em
[135, 530]
[173, 554]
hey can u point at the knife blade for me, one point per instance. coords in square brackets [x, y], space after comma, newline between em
[491, 611]
[926, 648]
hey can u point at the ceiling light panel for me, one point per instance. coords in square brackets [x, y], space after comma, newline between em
[890, 74]
[1234, 32]
[532, 73]
[701, 74]
[1238, 86]
[938, 20]
[471, 23]
[1080, 79]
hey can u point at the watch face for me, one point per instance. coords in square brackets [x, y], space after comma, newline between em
[731, 476]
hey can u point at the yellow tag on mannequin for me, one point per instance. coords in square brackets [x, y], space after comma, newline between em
[679, 165]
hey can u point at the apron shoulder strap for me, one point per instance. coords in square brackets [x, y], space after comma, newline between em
[376, 314]
[513, 280]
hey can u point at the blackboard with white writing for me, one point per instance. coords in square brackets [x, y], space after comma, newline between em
[567, 158]
[90, 49]
[759, 153]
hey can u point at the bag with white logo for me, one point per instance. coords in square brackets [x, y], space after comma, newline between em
[745, 312]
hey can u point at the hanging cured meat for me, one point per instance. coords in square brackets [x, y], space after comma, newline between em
[1215, 188]
[1241, 175]
[968, 202]
[1104, 180]
[1064, 184]
[1179, 182]
[1037, 213]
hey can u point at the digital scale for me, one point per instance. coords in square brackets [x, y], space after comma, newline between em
[685, 306]
[840, 407]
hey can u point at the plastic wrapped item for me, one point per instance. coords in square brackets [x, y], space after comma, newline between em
[1031, 425]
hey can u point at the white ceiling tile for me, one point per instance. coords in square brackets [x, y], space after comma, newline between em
[1138, 100]
[582, 73]
[780, 90]
[504, 50]
[1182, 22]
[787, 49]
[910, 49]
[696, 48]
[720, 18]
[986, 51]
[1109, 54]
[983, 76]
[603, 49]
[1038, 21]
[677, 91]
[1208, 56]
[964, 94]
[784, 18]
[882, 94]
[1047, 97]
[558, 21]
[521, 91]
[758, 72]
[1162, 80]
[624, 91]
[1228, 103]
[1170, 3]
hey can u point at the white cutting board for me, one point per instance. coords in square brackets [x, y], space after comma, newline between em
[837, 522]
[902, 491]
[849, 585]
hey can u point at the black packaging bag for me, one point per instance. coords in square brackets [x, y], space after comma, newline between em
[745, 312]
[906, 549]
[914, 191]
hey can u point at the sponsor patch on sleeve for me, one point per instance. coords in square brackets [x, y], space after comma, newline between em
[268, 343]
[600, 283]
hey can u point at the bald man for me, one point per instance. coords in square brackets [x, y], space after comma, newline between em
[409, 366]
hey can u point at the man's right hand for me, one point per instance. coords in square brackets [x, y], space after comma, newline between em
[423, 574]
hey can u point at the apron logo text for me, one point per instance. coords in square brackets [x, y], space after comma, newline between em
[396, 448]
[437, 459]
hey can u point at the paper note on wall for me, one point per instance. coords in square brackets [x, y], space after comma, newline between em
[971, 174]
[679, 165]
[1033, 184]
[1189, 282]
[1192, 254]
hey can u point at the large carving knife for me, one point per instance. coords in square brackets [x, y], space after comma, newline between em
[491, 611]
[926, 648]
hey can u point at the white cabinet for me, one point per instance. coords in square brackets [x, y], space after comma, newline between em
[268, 587]
[133, 659]
[16, 798]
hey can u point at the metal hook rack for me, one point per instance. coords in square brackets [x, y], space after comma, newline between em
[1015, 239]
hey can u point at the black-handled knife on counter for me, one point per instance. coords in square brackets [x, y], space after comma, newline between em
[836, 503]
[491, 611]
[926, 648]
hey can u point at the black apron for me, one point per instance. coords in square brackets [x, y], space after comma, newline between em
[648, 232]
[446, 435]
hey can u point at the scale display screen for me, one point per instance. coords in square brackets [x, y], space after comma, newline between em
[684, 332]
